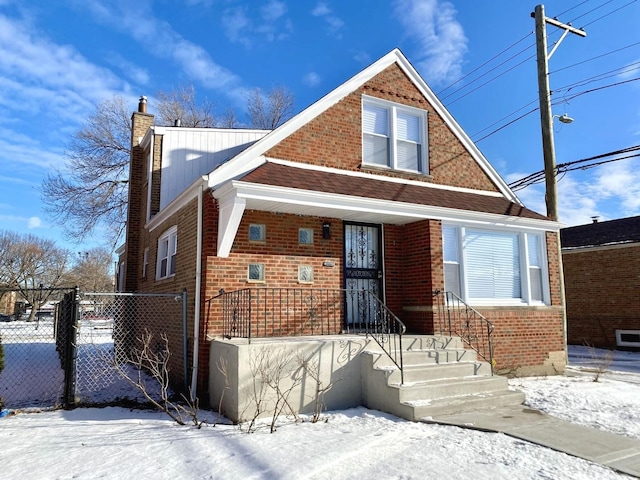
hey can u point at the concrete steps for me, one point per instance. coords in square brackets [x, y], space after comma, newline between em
[440, 377]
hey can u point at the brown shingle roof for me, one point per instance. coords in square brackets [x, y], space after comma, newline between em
[287, 176]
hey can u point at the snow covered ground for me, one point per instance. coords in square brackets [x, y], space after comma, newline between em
[118, 443]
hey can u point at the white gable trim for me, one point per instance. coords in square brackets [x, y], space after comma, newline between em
[237, 196]
[333, 97]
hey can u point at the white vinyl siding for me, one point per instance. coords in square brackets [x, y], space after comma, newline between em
[394, 136]
[494, 266]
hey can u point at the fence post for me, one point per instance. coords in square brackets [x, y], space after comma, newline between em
[71, 352]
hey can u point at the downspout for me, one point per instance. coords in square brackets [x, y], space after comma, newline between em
[196, 314]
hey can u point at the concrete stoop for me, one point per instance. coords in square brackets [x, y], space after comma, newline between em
[441, 377]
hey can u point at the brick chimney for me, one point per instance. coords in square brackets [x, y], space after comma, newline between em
[141, 121]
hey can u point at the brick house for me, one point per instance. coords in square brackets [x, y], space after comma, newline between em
[602, 283]
[374, 187]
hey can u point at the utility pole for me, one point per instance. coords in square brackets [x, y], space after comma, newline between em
[546, 117]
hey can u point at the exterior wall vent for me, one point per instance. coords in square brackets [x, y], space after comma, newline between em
[628, 338]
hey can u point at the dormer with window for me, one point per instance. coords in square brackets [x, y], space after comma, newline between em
[394, 136]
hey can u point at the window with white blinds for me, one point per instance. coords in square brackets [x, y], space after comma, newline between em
[167, 251]
[393, 136]
[496, 267]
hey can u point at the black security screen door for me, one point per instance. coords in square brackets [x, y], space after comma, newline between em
[362, 272]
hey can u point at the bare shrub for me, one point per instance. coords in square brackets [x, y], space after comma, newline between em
[154, 362]
[269, 371]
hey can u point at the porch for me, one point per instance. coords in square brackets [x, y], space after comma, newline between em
[309, 350]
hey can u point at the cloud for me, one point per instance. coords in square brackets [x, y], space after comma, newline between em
[34, 222]
[273, 10]
[162, 41]
[442, 43]
[334, 23]
[40, 76]
[311, 79]
[236, 25]
[610, 191]
[131, 70]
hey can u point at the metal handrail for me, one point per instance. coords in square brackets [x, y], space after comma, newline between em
[284, 312]
[464, 321]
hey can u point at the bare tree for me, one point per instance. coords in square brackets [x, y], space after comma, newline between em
[92, 271]
[268, 111]
[37, 268]
[8, 260]
[91, 189]
[181, 105]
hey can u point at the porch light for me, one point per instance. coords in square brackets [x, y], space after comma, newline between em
[326, 230]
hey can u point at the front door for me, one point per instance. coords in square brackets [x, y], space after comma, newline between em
[362, 272]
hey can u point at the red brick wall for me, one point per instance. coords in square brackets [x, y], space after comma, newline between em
[280, 253]
[603, 294]
[136, 211]
[334, 139]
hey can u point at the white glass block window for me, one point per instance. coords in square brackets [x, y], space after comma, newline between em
[255, 272]
[305, 273]
[167, 251]
[305, 236]
[394, 136]
[257, 232]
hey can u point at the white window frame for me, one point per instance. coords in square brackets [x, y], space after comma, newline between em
[393, 111]
[524, 265]
[170, 239]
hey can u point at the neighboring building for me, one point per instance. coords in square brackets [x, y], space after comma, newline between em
[375, 186]
[602, 283]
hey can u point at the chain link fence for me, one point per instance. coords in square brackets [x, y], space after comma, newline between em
[81, 348]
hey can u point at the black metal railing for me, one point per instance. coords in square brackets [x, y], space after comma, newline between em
[285, 312]
[460, 319]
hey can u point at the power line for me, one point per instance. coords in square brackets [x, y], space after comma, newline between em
[487, 62]
[610, 13]
[572, 8]
[563, 168]
[556, 102]
[595, 58]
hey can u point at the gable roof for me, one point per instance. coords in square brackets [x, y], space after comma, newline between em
[611, 232]
[252, 157]
[317, 180]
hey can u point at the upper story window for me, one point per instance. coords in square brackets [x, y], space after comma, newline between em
[167, 250]
[394, 136]
[495, 267]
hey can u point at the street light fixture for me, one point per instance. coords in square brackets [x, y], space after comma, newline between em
[564, 118]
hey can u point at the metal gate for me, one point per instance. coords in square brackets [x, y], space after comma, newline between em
[78, 352]
[362, 273]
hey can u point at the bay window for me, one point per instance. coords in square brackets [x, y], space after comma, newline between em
[494, 266]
